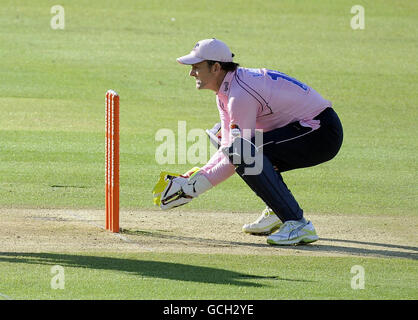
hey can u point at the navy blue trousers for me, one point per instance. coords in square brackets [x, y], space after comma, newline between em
[291, 147]
[294, 146]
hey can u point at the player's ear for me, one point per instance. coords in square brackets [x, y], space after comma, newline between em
[217, 67]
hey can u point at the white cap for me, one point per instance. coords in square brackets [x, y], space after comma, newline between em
[208, 49]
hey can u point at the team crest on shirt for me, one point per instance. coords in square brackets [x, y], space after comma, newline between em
[226, 86]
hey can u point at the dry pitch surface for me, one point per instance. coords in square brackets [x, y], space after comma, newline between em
[62, 230]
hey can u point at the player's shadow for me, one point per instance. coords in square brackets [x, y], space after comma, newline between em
[358, 248]
[353, 247]
[143, 268]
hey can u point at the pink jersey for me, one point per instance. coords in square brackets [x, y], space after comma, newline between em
[259, 99]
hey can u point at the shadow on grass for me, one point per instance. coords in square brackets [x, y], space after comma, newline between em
[376, 244]
[356, 248]
[161, 234]
[143, 268]
[361, 251]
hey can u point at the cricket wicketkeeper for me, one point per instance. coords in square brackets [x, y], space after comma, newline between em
[297, 128]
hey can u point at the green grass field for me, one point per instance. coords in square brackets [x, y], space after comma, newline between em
[167, 276]
[52, 135]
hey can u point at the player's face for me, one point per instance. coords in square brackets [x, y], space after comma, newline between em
[205, 77]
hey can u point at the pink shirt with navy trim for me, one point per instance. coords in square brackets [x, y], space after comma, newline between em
[260, 99]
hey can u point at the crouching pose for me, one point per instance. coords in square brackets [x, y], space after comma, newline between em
[269, 123]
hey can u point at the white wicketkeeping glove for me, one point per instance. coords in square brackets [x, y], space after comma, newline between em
[180, 190]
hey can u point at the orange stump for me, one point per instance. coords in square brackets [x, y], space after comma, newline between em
[112, 161]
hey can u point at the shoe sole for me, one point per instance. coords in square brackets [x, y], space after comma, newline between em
[302, 240]
[262, 232]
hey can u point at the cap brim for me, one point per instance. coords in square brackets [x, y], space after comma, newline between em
[189, 59]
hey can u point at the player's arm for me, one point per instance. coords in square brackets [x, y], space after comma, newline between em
[243, 113]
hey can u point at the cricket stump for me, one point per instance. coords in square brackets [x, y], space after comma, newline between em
[112, 161]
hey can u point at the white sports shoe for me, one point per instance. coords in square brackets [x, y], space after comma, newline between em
[294, 232]
[267, 223]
